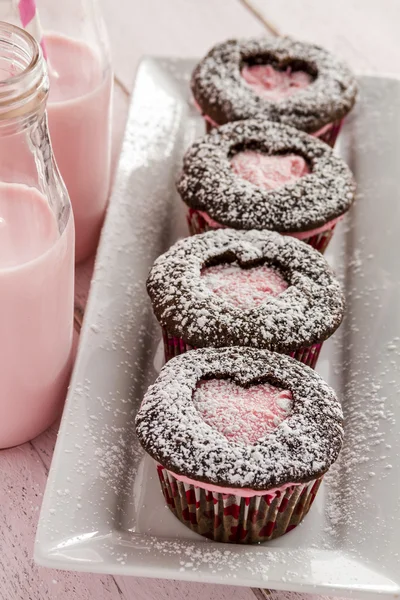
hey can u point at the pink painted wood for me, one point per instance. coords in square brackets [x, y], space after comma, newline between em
[363, 32]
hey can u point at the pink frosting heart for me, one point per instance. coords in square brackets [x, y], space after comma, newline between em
[244, 288]
[266, 171]
[242, 414]
[273, 84]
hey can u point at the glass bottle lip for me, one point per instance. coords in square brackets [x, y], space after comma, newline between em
[25, 92]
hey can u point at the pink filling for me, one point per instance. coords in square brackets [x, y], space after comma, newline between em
[275, 85]
[244, 288]
[241, 414]
[266, 171]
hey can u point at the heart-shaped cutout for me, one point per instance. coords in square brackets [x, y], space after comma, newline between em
[241, 414]
[244, 288]
[269, 172]
[275, 84]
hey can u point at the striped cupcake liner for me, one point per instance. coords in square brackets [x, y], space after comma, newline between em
[234, 519]
[327, 134]
[321, 240]
[198, 224]
[308, 356]
[209, 124]
[173, 346]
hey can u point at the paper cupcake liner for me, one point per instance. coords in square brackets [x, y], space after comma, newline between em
[209, 125]
[173, 346]
[308, 356]
[321, 240]
[234, 519]
[197, 224]
[327, 134]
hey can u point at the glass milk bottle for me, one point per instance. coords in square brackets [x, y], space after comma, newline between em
[36, 249]
[79, 110]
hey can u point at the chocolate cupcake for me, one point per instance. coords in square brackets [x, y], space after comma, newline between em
[242, 439]
[260, 175]
[245, 288]
[278, 79]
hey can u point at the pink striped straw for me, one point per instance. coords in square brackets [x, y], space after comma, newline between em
[30, 21]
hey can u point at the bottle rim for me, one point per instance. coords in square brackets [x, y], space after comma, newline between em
[30, 40]
[24, 92]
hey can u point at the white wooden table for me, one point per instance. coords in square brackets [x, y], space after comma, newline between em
[365, 33]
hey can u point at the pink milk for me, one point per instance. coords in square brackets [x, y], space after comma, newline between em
[79, 120]
[36, 313]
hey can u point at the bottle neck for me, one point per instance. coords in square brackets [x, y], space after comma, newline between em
[24, 83]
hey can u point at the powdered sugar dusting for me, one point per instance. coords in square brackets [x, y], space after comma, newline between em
[241, 414]
[243, 288]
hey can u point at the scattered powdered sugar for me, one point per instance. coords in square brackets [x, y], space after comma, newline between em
[241, 414]
[210, 558]
[361, 504]
[300, 448]
[307, 312]
[243, 288]
[209, 183]
[224, 95]
[366, 416]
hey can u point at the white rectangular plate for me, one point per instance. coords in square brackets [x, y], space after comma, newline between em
[103, 510]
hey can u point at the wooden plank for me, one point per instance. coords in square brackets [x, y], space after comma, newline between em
[23, 477]
[363, 32]
[176, 28]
